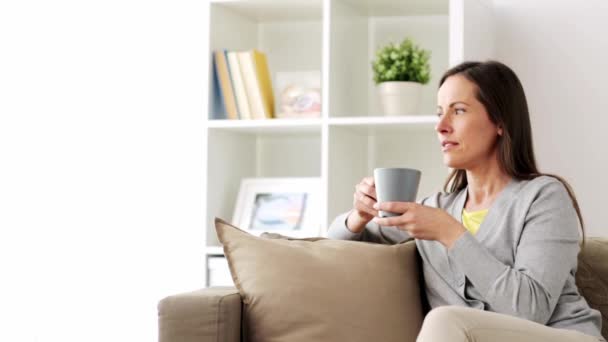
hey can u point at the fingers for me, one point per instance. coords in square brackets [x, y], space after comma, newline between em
[403, 208]
[394, 207]
[363, 203]
[393, 221]
[403, 222]
[364, 197]
[367, 187]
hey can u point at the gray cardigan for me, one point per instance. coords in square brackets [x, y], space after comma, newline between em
[521, 262]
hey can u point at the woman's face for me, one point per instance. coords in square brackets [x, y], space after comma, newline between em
[465, 132]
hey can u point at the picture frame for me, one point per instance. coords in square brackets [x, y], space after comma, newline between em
[298, 94]
[287, 206]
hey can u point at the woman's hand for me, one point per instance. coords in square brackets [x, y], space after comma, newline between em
[363, 200]
[422, 222]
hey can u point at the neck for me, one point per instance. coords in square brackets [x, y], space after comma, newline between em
[485, 182]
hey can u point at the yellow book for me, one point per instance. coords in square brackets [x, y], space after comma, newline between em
[264, 82]
[223, 74]
[256, 77]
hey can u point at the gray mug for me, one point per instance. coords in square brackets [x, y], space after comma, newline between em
[395, 184]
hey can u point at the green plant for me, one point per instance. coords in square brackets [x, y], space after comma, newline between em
[403, 62]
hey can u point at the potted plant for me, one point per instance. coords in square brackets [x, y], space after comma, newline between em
[399, 73]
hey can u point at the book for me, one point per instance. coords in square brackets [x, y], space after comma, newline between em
[223, 73]
[265, 83]
[218, 108]
[256, 76]
[239, 87]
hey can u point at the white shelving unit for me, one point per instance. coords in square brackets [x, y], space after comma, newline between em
[351, 138]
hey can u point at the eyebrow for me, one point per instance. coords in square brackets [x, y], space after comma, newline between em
[453, 103]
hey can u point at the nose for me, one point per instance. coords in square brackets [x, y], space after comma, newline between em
[443, 126]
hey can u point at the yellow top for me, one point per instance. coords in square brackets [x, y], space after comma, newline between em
[472, 220]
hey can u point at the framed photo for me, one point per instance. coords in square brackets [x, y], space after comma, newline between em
[299, 94]
[287, 206]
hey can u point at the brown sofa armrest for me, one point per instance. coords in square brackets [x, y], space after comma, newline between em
[592, 277]
[207, 315]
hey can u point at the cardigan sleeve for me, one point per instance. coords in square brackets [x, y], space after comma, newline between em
[545, 257]
[373, 232]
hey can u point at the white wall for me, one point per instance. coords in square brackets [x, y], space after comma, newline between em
[559, 50]
[100, 165]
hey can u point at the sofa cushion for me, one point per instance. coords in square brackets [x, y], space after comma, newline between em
[592, 277]
[319, 289]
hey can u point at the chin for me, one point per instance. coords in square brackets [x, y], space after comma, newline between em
[451, 163]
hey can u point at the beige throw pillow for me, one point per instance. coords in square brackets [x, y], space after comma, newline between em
[320, 289]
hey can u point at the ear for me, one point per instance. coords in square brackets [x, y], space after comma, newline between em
[500, 131]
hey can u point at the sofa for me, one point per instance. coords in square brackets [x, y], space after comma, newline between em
[215, 314]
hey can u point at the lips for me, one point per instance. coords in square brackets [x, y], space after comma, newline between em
[447, 144]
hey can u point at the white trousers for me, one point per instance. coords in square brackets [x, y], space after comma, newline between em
[461, 324]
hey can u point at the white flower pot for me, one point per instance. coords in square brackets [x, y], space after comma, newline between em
[399, 98]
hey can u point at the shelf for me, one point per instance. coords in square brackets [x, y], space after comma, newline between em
[339, 39]
[214, 250]
[353, 155]
[384, 124]
[384, 120]
[270, 126]
[352, 89]
[291, 126]
[273, 10]
[269, 27]
[388, 8]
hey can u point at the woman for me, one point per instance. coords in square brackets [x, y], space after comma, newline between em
[503, 238]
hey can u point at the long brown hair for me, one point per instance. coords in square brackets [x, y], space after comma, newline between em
[501, 93]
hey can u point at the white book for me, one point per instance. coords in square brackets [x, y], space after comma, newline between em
[239, 87]
[251, 84]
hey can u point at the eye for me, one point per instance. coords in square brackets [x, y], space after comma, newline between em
[459, 110]
[439, 114]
